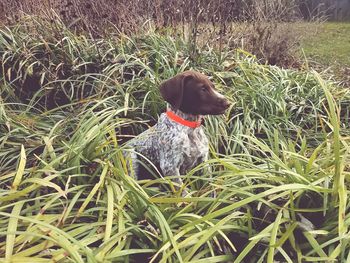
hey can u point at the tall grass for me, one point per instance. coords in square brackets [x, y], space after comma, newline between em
[279, 157]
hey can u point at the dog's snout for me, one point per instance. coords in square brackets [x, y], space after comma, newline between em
[224, 103]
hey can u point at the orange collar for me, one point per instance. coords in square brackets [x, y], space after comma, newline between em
[192, 124]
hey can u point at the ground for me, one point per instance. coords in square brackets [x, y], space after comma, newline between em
[329, 46]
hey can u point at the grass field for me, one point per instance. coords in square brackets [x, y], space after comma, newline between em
[279, 157]
[329, 46]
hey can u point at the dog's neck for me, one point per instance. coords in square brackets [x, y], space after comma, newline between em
[185, 116]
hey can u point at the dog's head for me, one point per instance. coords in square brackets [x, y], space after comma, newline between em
[193, 93]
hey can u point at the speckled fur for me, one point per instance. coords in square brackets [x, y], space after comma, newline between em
[171, 146]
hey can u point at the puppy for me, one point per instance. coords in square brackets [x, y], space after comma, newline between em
[177, 143]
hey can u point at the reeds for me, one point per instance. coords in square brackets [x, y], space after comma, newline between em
[278, 157]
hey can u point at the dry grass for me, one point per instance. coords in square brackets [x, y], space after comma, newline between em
[212, 22]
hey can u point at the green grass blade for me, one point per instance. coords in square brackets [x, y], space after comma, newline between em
[109, 220]
[273, 238]
[20, 169]
[11, 229]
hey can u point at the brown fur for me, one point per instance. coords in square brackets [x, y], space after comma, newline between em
[193, 93]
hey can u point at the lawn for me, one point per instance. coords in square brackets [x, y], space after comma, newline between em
[328, 44]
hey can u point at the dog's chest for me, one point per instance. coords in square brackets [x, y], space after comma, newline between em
[195, 148]
[172, 144]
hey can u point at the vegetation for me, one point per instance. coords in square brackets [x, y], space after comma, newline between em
[256, 26]
[279, 157]
[329, 47]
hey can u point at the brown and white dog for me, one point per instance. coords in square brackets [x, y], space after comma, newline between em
[177, 143]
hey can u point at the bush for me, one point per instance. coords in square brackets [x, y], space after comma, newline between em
[257, 26]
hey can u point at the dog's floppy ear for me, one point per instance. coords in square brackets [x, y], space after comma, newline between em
[172, 89]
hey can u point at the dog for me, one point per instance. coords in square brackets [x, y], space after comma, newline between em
[177, 143]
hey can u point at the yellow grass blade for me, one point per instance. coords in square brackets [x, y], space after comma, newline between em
[11, 229]
[93, 191]
[20, 169]
[109, 220]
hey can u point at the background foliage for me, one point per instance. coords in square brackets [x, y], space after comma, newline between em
[69, 102]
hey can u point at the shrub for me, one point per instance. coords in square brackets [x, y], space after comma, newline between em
[205, 21]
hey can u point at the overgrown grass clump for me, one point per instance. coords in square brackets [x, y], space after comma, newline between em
[68, 103]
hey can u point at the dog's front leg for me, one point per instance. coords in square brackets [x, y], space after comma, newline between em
[172, 169]
[178, 183]
[207, 171]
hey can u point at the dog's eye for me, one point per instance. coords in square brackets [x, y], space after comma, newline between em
[204, 89]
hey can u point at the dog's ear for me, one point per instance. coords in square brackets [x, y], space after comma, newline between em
[172, 89]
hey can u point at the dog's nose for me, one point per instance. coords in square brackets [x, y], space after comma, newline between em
[225, 103]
